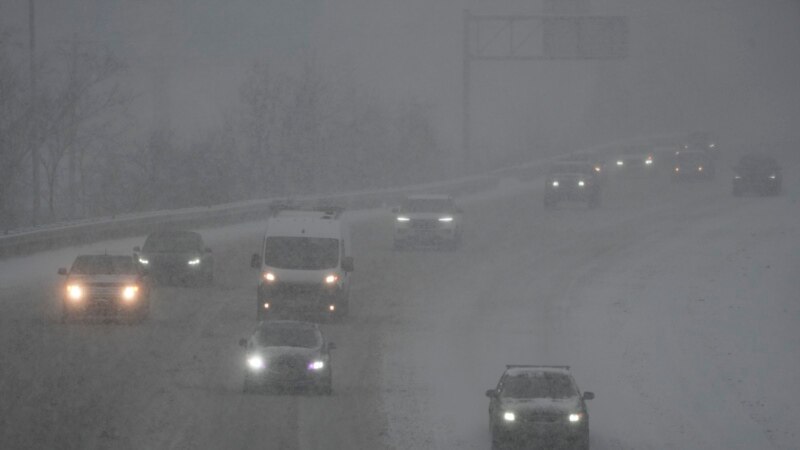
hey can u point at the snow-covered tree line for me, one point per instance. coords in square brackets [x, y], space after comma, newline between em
[290, 132]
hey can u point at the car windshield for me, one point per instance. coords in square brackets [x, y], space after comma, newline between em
[103, 265]
[173, 242]
[286, 336]
[427, 205]
[538, 385]
[301, 253]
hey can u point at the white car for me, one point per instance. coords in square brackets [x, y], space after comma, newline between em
[428, 220]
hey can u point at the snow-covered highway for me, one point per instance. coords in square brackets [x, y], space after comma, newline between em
[676, 304]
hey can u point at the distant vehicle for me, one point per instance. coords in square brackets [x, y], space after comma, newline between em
[597, 163]
[428, 219]
[759, 174]
[634, 160]
[104, 286]
[288, 354]
[177, 256]
[538, 405]
[305, 262]
[572, 181]
[701, 141]
[693, 165]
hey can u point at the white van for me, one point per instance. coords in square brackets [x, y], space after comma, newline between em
[305, 262]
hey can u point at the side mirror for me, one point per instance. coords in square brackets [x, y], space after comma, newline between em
[491, 393]
[243, 343]
[62, 271]
[208, 250]
[255, 261]
[588, 395]
[331, 346]
[137, 249]
[348, 264]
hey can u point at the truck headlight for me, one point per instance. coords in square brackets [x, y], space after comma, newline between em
[575, 417]
[509, 416]
[316, 365]
[129, 292]
[194, 261]
[256, 363]
[74, 292]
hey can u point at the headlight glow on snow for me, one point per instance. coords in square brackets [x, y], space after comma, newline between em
[575, 417]
[316, 365]
[555, 183]
[144, 261]
[509, 416]
[445, 219]
[129, 292]
[255, 362]
[403, 219]
[74, 292]
[194, 262]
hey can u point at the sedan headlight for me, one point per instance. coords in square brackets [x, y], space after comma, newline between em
[581, 183]
[269, 277]
[403, 219]
[648, 161]
[737, 177]
[620, 163]
[316, 365]
[129, 292]
[144, 261]
[772, 177]
[194, 261]
[445, 219]
[509, 416]
[74, 292]
[332, 278]
[575, 417]
[555, 183]
[256, 363]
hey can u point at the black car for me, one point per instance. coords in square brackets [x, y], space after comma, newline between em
[177, 256]
[538, 406]
[288, 354]
[574, 181]
[106, 286]
[693, 165]
[759, 174]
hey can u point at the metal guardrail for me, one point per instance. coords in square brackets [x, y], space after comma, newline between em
[82, 232]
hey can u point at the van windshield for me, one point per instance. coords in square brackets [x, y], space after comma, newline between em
[301, 253]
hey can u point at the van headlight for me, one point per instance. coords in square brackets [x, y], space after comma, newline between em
[403, 219]
[332, 278]
[75, 292]
[575, 417]
[129, 292]
[256, 363]
[269, 277]
[194, 261]
[509, 416]
[144, 261]
[316, 365]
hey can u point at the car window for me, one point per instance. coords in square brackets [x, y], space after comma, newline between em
[103, 265]
[301, 253]
[281, 336]
[538, 385]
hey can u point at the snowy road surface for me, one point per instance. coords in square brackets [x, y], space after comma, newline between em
[677, 305]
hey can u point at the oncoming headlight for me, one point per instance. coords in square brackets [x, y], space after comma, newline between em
[445, 219]
[74, 292]
[255, 362]
[620, 162]
[575, 417]
[316, 365]
[194, 261]
[581, 183]
[555, 183]
[129, 292]
[772, 177]
[403, 219]
[509, 416]
[144, 261]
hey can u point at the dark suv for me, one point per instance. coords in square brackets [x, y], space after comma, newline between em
[576, 181]
[177, 256]
[759, 174]
[538, 405]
